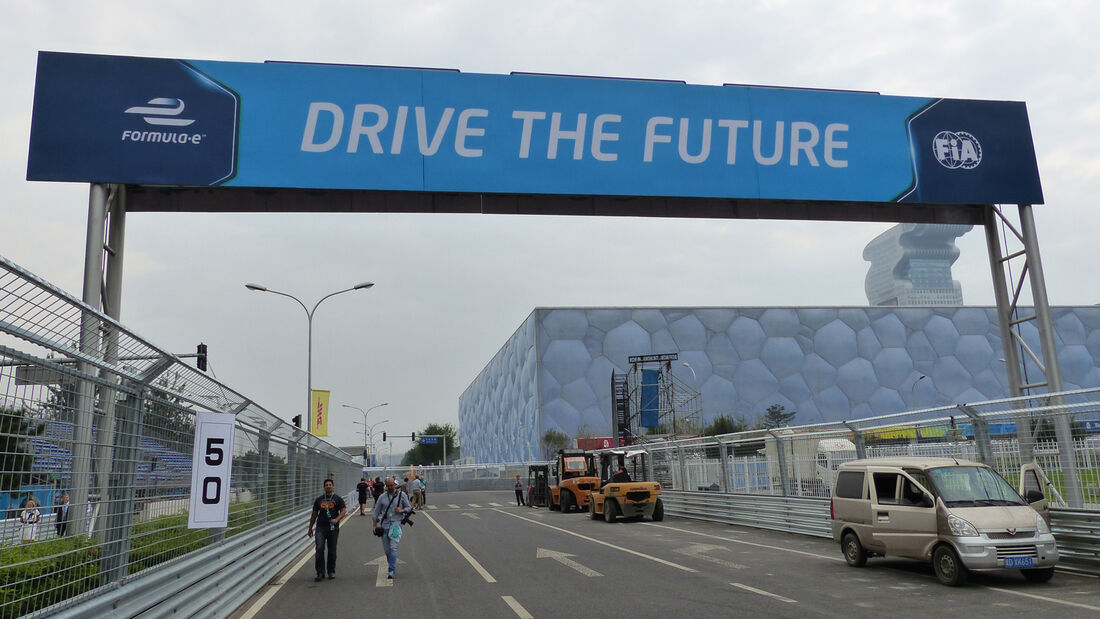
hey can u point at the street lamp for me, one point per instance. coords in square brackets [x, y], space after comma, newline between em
[369, 431]
[309, 345]
[365, 412]
[694, 378]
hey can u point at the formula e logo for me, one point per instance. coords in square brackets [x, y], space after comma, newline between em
[957, 149]
[162, 111]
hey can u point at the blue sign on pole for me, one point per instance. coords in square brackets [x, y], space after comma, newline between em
[429, 440]
[286, 125]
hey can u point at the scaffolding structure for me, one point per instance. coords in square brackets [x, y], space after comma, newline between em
[674, 402]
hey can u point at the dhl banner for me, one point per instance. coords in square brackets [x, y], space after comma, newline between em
[318, 409]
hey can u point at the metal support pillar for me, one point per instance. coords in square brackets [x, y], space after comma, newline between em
[683, 467]
[292, 471]
[1005, 311]
[860, 442]
[89, 345]
[1066, 453]
[981, 434]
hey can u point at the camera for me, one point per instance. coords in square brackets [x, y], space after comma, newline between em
[405, 519]
[379, 531]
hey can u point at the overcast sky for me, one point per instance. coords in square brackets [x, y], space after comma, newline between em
[450, 289]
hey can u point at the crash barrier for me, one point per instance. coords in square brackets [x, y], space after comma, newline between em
[90, 409]
[1076, 531]
[1078, 535]
[806, 516]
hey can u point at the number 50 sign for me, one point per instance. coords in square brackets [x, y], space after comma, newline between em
[212, 463]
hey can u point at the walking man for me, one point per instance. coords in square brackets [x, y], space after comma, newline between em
[61, 515]
[519, 492]
[414, 485]
[389, 509]
[364, 491]
[328, 510]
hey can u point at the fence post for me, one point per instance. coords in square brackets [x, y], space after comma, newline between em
[861, 445]
[779, 449]
[723, 455]
[683, 467]
[981, 434]
[263, 445]
[119, 499]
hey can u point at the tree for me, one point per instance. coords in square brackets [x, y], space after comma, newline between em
[552, 441]
[776, 417]
[430, 454]
[16, 454]
[726, 424]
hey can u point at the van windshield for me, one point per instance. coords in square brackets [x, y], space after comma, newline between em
[972, 486]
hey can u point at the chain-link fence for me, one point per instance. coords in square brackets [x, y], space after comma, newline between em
[96, 434]
[802, 461]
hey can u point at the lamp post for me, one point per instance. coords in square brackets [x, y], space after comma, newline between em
[694, 378]
[365, 413]
[309, 340]
[369, 431]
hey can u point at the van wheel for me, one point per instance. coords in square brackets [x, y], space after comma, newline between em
[659, 511]
[1040, 575]
[949, 569]
[610, 511]
[566, 501]
[854, 553]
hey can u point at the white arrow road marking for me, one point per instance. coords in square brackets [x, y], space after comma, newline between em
[561, 557]
[698, 550]
[383, 569]
[764, 593]
[473, 516]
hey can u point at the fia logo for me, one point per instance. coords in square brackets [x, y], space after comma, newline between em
[162, 111]
[957, 149]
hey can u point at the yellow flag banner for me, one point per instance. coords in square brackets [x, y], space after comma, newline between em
[318, 409]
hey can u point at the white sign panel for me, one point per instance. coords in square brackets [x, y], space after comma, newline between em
[212, 464]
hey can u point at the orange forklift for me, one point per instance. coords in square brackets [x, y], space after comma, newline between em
[575, 479]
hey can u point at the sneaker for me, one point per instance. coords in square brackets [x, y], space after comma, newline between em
[331, 576]
[390, 576]
[318, 578]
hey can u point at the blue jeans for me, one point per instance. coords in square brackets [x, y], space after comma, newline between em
[389, 546]
[323, 537]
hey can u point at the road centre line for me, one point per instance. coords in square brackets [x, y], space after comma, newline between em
[1044, 598]
[462, 551]
[601, 542]
[738, 541]
[520, 611]
[762, 592]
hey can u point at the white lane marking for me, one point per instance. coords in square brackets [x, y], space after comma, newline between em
[737, 541]
[383, 569]
[462, 551]
[270, 593]
[472, 516]
[431, 507]
[562, 557]
[496, 504]
[601, 542]
[473, 505]
[1044, 598]
[762, 592]
[452, 506]
[698, 551]
[520, 611]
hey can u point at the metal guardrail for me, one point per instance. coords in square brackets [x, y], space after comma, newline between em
[1076, 531]
[806, 516]
[1078, 536]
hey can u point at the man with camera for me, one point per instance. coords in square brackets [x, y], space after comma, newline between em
[328, 510]
[391, 510]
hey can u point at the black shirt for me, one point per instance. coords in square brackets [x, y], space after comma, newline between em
[328, 508]
[364, 489]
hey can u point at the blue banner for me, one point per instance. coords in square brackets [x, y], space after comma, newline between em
[285, 125]
[650, 405]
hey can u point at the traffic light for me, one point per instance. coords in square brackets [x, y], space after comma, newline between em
[413, 437]
[297, 421]
[383, 437]
[200, 359]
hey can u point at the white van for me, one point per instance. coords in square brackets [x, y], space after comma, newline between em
[958, 514]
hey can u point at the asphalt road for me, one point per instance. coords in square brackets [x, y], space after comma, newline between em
[477, 554]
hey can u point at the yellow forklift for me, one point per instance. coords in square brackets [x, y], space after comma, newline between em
[620, 496]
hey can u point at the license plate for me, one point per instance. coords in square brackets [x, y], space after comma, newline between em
[1019, 562]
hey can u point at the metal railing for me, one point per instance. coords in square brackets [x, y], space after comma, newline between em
[91, 410]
